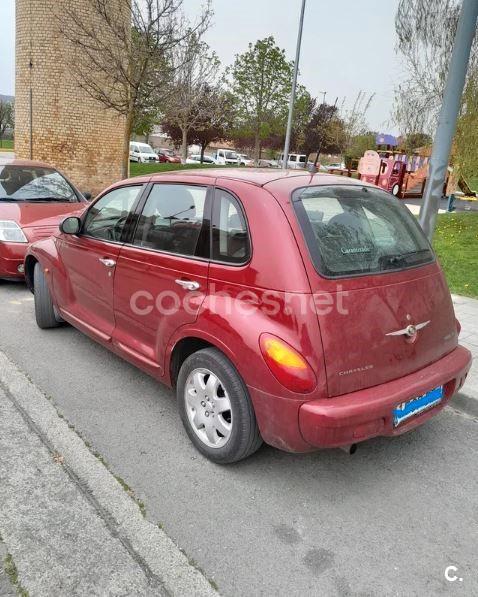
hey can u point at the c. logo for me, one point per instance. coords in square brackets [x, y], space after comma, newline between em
[450, 574]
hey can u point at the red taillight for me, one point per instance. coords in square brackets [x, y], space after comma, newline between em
[287, 365]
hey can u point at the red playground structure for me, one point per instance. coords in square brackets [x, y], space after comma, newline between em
[387, 173]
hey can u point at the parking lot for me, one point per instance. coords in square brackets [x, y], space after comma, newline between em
[388, 520]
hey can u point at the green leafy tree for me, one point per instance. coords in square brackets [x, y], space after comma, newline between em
[324, 130]
[6, 117]
[359, 144]
[261, 84]
[413, 141]
[465, 153]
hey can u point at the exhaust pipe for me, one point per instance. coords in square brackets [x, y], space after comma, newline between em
[351, 449]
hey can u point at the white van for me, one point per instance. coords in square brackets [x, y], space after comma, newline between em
[226, 156]
[141, 153]
[295, 161]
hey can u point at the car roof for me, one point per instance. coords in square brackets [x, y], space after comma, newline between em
[27, 163]
[261, 176]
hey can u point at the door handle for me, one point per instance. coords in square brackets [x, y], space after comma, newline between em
[188, 284]
[107, 262]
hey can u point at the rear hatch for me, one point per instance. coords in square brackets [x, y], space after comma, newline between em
[376, 276]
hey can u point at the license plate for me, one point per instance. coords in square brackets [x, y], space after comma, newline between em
[413, 407]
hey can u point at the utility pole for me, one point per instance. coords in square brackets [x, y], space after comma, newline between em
[324, 93]
[285, 156]
[450, 108]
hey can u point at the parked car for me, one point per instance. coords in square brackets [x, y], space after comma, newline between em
[196, 159]
[34, 198]
[336, 166]
[226, 156]
[264, 163]
[168, 156]
[295, 160]
[245, 160]
[343, 331]
[141, 153]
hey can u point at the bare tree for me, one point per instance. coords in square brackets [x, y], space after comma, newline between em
[124, 52]
[426, 31]
[193, 91]
[354, 118]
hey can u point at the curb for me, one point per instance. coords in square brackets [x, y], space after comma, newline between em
[149, 543]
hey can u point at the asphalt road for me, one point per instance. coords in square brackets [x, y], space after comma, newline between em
[386, 521]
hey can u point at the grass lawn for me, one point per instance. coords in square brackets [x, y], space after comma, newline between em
[473, 182]
[6, 144]
[456, 244]
[145, 169]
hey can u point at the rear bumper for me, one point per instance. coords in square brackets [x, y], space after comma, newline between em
[355, 417]
[11, 257]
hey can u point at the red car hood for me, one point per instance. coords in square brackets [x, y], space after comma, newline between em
[33, 215]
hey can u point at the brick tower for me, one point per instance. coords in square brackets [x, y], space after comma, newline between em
[55, 119]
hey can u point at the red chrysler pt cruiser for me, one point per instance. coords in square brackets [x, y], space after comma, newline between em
[306, 311]
[34, 198]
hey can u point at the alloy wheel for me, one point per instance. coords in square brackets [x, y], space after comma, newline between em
[208, 408]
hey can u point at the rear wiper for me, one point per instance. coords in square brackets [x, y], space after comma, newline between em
[392, 260]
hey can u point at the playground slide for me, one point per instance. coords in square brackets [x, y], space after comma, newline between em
[465, 187]
[416, 178]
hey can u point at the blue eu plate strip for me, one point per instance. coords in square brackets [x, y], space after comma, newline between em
[413, 407]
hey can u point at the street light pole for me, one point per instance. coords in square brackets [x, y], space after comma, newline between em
[450, 108]
[285, 156]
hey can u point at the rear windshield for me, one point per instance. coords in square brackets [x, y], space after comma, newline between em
[353, 230]
[31, 183]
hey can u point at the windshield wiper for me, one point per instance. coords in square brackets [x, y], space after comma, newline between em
[47, 199]
[10, 199]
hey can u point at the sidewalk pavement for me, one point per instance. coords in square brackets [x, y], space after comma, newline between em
[466, 310]
[67, 526]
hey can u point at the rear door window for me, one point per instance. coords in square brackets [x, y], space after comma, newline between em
[173, 220]
[353, 230]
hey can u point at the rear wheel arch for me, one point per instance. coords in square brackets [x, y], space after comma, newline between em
[184, 348]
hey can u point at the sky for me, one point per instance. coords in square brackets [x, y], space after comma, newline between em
[347, 46]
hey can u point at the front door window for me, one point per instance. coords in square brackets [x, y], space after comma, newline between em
[107, 217]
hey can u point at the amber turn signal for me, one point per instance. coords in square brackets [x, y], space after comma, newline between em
[287, 365]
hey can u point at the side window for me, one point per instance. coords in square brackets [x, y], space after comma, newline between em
[230, 238]
[173, 220]
[107, 217]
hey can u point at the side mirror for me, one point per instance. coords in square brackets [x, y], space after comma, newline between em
[87, 195]
[71, 225]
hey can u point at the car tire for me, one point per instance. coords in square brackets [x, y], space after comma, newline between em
[223, 436]
[395, 189]
[45, 313]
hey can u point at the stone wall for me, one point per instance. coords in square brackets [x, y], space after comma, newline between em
[70, 130]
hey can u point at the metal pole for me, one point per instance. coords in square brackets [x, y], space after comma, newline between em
[450, 108]
[285, 156]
